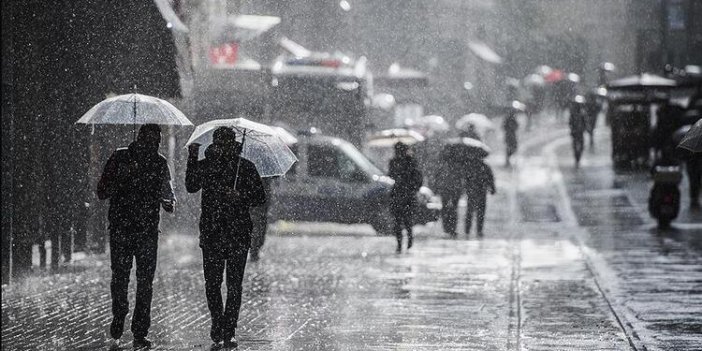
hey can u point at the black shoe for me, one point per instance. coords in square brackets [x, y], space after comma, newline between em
[141, 343]
[480, 234]
[409, 243]
[216, 346]
[231, 343]
[117, 327]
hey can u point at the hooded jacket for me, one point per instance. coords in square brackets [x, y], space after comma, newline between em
[224, 217]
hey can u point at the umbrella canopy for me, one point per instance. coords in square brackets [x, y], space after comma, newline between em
[643, 81]
[478, 120]
[287, 137]
[692, 142]
[390, 137]
[134, 109]
[461, 148]
[484, 52]
[261, 144]
[554, 76]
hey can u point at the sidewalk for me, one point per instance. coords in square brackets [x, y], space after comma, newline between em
[326, 287]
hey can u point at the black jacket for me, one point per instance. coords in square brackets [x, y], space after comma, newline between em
[225, 217]
[479, 178]
[407, 176]
[135, 180]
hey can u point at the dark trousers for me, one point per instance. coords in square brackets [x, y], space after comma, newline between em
[124, 248]
[402, 211]
[215, 260]
[476, 206]
[449, 212]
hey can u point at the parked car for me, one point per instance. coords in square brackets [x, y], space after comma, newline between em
[334, 182]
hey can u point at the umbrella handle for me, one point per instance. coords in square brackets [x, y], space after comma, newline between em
[238, 162]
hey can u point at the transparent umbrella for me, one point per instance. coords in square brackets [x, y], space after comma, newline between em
[692, 141]
[134, 109]
[261, 144]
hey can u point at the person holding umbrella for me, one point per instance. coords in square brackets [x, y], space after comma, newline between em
[408, 179]
[230, 186]
[479, 179]
[136, 180]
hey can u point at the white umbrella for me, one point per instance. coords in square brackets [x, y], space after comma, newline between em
[261, 144]
[641, 82]
[390, 137]
[134, 109]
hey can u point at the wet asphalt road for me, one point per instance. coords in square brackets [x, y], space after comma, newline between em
[569, 261]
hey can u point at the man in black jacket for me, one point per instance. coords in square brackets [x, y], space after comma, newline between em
[136, 179]
[230, 187]
[408, 179]
[478, 181]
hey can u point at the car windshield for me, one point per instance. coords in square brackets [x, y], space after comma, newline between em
[361, 160]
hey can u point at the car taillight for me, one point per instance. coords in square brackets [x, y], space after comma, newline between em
[330, 63]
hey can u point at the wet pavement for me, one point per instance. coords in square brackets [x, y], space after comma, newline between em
[569, 261]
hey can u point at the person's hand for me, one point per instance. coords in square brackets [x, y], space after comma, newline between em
[493, 191]
[168, 205]
[193, 149]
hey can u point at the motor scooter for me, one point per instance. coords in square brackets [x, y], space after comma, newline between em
[664, 200]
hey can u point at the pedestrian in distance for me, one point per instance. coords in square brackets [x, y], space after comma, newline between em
[449, 186]
[408, 179]
[137, 181]
[230, 186]
[577, 123]
[592, 113]
[510, 126]
[479, 179]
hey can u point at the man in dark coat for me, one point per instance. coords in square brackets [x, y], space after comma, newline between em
[136, 180]
[449, 185]
[578, 124]
[479, 180]
[230, 186]
[510, 126]
[404, 171]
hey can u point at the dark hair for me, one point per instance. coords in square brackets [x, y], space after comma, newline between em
[149, 131]
[224, 136]
[401, 147]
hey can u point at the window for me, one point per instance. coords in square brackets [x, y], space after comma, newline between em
[322, 162]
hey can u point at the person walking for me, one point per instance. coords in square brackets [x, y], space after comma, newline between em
[592, 113]
[577, 125]
[137, 181]
[449, 186]
[479, 179]
[408, 179]
[510, 126]
[230, 186]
